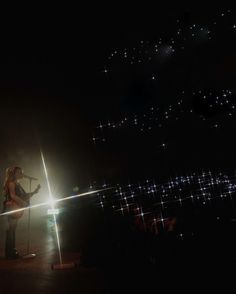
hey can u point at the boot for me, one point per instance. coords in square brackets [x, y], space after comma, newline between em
[15, 252]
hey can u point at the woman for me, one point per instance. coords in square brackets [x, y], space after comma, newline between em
[15, 198]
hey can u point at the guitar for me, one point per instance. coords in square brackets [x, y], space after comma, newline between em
[11, 205]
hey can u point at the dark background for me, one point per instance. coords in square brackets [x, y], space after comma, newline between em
[54, 91]
[52, 84]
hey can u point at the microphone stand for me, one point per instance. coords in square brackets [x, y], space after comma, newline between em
[28, 254]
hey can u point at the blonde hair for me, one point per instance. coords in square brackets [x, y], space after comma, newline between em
[10, 175]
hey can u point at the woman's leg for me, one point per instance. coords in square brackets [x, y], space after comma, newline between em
[10, 238]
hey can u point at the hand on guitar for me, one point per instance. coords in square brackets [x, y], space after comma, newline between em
[37, 189]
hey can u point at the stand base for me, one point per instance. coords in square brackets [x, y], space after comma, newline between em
[29, 255]
[61, 266]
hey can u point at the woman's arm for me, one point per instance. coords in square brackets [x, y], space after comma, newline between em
[17, 199]
[34, 192]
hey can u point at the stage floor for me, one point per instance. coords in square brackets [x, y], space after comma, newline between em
[35, 275]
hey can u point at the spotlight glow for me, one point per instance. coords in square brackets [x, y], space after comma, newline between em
[52, 202]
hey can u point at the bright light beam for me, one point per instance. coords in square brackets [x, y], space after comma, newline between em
[24, 208]
[51, 201]
[81, 195]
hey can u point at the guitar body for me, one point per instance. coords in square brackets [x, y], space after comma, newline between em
[12, 205]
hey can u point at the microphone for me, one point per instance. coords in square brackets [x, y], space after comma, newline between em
[30, 178]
